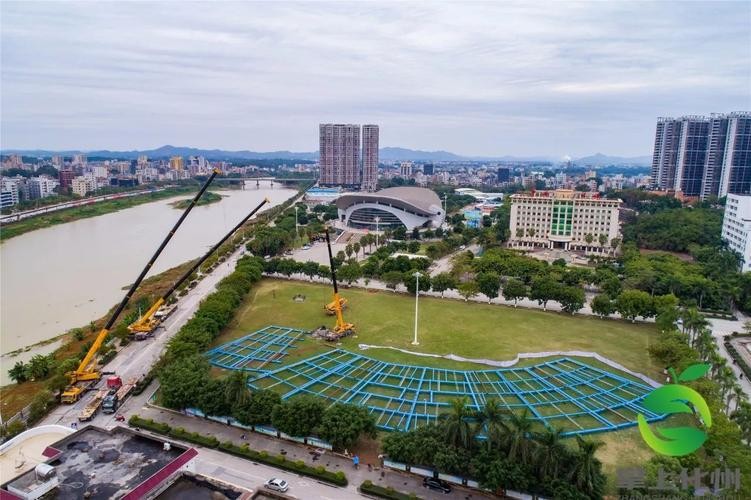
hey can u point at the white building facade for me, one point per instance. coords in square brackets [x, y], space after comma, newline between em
[736, 227]
[41, 187]
[565, 219]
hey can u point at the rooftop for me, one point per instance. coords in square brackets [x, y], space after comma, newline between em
[98, 464]
[421, 199]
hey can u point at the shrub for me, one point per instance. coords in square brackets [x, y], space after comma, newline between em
[390, 493]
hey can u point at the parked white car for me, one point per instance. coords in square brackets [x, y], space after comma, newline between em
[275, 484]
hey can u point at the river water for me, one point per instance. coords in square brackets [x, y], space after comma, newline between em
[62, 277]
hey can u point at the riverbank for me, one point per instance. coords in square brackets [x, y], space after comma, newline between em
[13, 397]
[71, 214]
[207, 199]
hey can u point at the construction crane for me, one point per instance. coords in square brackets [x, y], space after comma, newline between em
[147, 323]
[87, 372]
[342, 328]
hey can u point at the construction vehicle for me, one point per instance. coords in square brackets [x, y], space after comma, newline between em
[342, 328]
[117, 394]
[146, 324]
[92, 407]
[87, 372]
[330, 308]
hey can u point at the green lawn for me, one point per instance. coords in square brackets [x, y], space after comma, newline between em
[471, 330]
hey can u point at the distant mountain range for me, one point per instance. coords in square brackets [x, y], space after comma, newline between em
[387, 153]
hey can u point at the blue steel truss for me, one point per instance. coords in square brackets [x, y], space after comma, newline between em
[562, 393]
[256, 350]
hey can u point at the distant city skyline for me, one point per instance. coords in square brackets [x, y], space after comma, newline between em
[476, 79]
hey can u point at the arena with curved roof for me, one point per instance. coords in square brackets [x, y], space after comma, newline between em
[389, 208]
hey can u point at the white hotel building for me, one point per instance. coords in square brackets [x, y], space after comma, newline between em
[562, 219]
[736, 227]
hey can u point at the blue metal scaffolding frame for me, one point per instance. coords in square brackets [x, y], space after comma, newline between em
[563, 393]
[254, 351]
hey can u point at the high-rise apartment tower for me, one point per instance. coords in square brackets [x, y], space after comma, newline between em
[369, 157]
[700, 156]
[340, 155]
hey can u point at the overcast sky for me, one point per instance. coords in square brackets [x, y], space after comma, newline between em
[552, 78]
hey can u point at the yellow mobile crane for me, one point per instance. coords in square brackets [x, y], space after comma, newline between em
[147, 323]
[87, 372]
[342, 328]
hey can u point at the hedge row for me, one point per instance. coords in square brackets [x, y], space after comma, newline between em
[738, 358]
[338, 478]
[143, 383]
[369, 488]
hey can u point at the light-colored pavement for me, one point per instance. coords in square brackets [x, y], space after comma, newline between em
[721, 328]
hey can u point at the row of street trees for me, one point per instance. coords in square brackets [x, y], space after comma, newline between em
[512, 454]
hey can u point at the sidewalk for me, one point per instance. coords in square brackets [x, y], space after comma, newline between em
[397, 480]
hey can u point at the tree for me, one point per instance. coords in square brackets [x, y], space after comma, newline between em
[457, 424]
[414, 246]
[518, 444]
[310, 269]
[602, 240]
[571, 298]
[488, 283]
[514, 290]
[411, 282]
[442, 282]
[350, 272]
[468, 290]
[348, 250]
[614, 244]
[602, 305]
[236, 388]
[587, 470]
[212, 400]
[543, 289]
[342, 425]
[589, 238]
[183, 381]
[356, 248]
[257, 409]
[633, 303]
[39, 367]
[415, 233]
[298, 417]
[392, 279]
[491, 421]
[549, 453]
[18, 373]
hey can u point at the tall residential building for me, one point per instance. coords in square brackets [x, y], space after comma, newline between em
[176, 163]
[405, 169]
[41, 187]
[428, 169]
[369, 157]
[80, 160]
[340, 155]
[563, 219]
[58, 161]
[65, 177]
[700, 156]
[503, 174]
[82, 185]
[8, 192]
[736, 227]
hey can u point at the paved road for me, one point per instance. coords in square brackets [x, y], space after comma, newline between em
[136, 359]
[721, 328]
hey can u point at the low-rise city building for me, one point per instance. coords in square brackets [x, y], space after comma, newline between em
[566, 219]
[41, 187]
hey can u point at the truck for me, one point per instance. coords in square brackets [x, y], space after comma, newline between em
[116, 396]
[90, 409]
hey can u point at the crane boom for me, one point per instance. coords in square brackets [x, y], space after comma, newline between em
[148, 322]
[84, 372]
[341, 328]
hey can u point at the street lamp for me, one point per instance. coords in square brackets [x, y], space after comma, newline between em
[417, 294]
[377, 219]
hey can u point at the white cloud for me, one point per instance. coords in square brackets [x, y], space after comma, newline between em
[484, 78]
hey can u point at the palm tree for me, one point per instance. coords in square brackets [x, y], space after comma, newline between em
[550, 450]
[490, 420]
[518, 439]
[740, 396]
[457, 424]
[603, 240]
[614, 244]
[693, 322]
[586, 471]
[589, 238]
[726, 379]
[236, 391]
